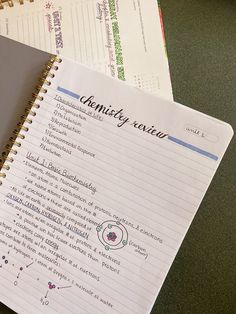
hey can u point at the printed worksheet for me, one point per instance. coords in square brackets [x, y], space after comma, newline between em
[122, 38]
[98, 193]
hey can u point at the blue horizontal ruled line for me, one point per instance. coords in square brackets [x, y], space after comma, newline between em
[68, 92]
[192, 147]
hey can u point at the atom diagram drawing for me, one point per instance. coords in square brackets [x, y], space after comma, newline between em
[112, 234]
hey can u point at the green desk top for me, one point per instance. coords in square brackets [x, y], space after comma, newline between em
[201, 44]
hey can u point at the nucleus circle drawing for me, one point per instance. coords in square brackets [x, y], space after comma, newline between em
[112, 234]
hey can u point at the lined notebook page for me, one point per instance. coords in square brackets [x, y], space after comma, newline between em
[120, 38]
[100, 195]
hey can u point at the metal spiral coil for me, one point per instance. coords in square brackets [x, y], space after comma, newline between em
[10, 3]
[27, 118]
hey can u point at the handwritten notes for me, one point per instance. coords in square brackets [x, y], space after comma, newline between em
[120, 38]
[100, 195]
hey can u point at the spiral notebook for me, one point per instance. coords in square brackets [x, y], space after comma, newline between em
[10, 3]
[98, 190]
[20, 68]
[122, 38]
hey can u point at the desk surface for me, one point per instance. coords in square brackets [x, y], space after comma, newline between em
[201, 44]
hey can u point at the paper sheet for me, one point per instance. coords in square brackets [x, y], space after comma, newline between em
[100, 195]
[122, 38]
